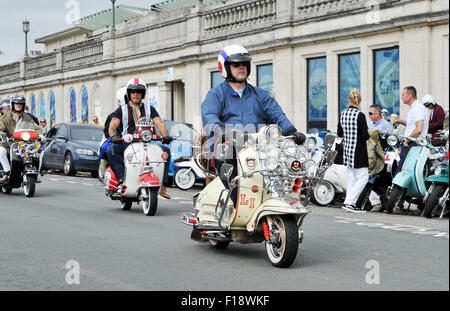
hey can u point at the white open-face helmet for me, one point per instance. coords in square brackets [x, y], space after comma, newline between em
[136, 84]
[233, 54]
[428, 99]
[121, 96]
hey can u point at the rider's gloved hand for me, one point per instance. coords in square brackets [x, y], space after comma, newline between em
[116, 139]
[167, 140]
[299, 138]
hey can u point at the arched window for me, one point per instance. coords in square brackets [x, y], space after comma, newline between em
[52, 109]
[73, 107]
[42, 113]
[84, 105]
[33, 105]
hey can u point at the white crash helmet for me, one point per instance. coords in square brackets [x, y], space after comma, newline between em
[121, 97]
[233, 54]
[136, 84]
[428, 99]
[5, 104]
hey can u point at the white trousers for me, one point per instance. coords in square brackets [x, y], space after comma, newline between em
[374, 198]
[4, 159]
[357, 179]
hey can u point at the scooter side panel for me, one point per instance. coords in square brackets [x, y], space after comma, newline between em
[250, 192]
[207, 200]
[411, 176]
[134, 157]
[276, 207]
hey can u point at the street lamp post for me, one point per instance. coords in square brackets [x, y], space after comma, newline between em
[26, 29]
[113, 28]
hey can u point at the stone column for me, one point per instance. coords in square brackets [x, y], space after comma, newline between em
[165, 109]
[193, 100]
[285, 10]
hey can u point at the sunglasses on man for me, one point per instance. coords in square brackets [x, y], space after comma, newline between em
[237, 65]
[372, 113]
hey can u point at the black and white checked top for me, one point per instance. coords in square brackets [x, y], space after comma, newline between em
[353, 127]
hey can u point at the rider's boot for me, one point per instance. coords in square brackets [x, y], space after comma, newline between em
[164, 193]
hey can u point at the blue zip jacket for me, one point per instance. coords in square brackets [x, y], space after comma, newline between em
[224, 107]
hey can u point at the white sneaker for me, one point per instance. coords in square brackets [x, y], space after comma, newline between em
[353, 209]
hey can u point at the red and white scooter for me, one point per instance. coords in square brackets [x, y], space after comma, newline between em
[144, 170]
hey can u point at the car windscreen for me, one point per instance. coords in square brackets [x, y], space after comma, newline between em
[87, 133]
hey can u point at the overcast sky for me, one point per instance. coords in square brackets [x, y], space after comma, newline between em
[46, 17]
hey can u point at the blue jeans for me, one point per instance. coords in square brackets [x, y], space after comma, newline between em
[115, 159]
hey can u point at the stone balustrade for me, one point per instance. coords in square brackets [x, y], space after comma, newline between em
[82, 54]
[242, 15]
[9, 72]
[41, 65]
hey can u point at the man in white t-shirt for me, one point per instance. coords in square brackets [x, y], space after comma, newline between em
[416, 122]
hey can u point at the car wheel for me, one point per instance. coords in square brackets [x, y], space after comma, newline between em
[69, 169]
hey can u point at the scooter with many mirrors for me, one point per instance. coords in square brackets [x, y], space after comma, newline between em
[275, 179]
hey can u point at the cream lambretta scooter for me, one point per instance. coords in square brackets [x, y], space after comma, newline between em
[275, 180]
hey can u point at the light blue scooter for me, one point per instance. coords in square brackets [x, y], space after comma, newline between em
[411, 179]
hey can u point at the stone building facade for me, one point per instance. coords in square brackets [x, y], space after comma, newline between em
[311, 52]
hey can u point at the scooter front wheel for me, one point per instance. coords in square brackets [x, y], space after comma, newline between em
[282, 251]
[432, 205]
[29, 185]
[394, 197]
[149, 201]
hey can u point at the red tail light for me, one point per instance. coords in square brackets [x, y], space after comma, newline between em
[296, 189]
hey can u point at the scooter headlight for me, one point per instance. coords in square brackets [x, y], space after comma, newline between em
[302, 153]
[289, 147]
[392, 140]
[25, 136]
[310, 143]
[310, 168]
[273, 133]
[271, 164]
[146, 136]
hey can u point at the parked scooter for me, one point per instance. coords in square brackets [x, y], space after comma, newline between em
[411, 179]
[436, 198]
[144, 170]
[275, 181]
[334, 183]
[187, 173]
[25, 158]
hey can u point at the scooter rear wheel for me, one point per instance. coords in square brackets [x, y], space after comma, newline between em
[6, 189]
[283, 253]
[184, 178]
[126, 205]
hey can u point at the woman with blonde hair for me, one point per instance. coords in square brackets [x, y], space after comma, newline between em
[353, 128]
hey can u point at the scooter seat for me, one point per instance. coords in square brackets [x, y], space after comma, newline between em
[183, 159]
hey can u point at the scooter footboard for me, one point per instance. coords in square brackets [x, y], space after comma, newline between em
[277, 207]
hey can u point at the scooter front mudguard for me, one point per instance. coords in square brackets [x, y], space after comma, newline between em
[277, 207]
[402, 179]
[148, 181]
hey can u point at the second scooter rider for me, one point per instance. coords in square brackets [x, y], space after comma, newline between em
[124, 121]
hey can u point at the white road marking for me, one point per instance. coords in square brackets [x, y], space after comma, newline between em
[395, 227]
